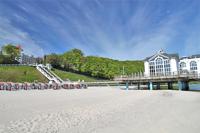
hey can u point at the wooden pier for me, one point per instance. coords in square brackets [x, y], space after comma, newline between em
[182, 79]
[103, 83]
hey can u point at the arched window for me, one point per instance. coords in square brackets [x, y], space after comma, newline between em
[152, 68]
[193, 65]
[182, 65]
[159, 66]
[159, 61]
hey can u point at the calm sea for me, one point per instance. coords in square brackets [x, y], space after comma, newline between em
[194, 87]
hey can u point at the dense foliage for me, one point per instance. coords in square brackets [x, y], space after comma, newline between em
[7, 60]
[74, 76]
[11, 50]
[8, 54]
[74, 60]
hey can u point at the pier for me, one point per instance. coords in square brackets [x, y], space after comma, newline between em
[154, 82]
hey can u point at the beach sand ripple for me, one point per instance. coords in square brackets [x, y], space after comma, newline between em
[99, 109]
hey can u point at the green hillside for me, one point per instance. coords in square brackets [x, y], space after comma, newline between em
[99, 67]
[70, 61]
[20, 74]
[30, 74]
[73, 76]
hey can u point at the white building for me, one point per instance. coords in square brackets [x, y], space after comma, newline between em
[161, 64]
[26, 59]
[190, 64]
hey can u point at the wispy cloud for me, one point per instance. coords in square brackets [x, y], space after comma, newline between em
[117, 29]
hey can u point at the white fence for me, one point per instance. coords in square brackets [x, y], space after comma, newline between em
[178, 74]
[17, 64]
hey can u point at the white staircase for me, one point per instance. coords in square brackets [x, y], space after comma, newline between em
[49, 74]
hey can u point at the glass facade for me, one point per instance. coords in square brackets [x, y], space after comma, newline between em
[152, 68]
[159, 67]
[167, 67]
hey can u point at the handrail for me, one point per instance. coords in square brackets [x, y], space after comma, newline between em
[191, 74]
[50, 75]
[45, 72]
[58, 78]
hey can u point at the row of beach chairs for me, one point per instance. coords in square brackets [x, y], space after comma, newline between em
[9, 86]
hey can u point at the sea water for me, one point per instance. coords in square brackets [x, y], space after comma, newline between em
[194, 86]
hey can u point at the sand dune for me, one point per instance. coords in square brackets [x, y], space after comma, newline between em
[99, 109]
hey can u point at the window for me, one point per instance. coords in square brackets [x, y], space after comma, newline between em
[182, 65]
[167, 67]
[159, 61]
[152, 68]
[159, 66]
[193, 65]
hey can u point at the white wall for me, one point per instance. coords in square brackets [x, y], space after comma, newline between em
[198, 66]
[175, 63]
[187, 61]
[146, 68]
[174, 66]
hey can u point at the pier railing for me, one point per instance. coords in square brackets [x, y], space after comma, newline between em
[175, 75]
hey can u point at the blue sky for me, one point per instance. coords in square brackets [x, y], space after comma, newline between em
[119, 29]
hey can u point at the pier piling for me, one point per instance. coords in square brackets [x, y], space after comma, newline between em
[170, 85]
[138, 86]
[183, 85]
[151, 85]
[127, 86]
[158, 86]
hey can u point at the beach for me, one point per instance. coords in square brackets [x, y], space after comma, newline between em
[99, 110]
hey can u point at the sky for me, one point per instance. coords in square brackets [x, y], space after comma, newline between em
[118, 29]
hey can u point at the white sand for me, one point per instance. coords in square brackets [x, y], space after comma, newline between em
[99, 110]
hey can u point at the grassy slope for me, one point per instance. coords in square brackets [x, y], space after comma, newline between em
[20, 74]
[73, 76]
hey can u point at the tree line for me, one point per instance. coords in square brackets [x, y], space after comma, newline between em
[9, 53]
[75, 61]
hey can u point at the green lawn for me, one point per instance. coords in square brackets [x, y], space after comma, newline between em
[20, 74]
[73, 76]
[195, 82]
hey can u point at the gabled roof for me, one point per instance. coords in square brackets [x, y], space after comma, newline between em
[162, 53]
[191, 57]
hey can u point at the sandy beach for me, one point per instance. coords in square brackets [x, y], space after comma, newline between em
[99, 110]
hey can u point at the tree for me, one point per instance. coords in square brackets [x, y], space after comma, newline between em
[11, 51]
[7, 60]
[1, 59]
[54, 60]
[73, 59]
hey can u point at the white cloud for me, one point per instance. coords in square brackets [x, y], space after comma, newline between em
[99, 30]
[141, 44]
